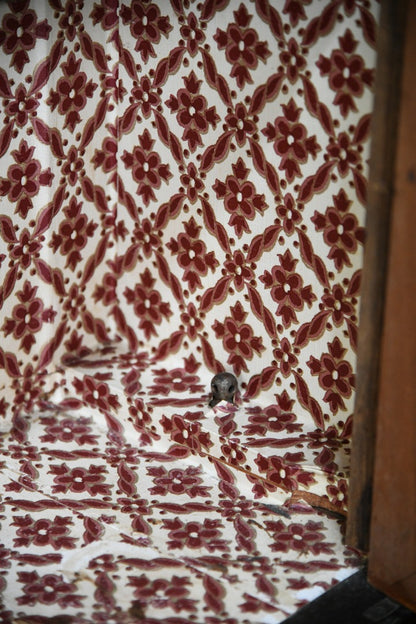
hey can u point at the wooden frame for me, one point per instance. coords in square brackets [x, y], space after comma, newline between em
[382, 517]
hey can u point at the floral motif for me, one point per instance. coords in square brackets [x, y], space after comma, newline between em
[147, 303]
[27, 453]
[115, 455]
[131, 416]
[28, 317]
[308, 538]
[68, 430]
[189, 434]
[141, 419]
[285, 357]
[293, 60]
[237, 267]
[137, 506]
[238, 338]
[162, 592]
[347, 74]
[177, 482]
[43, 532]
[104, 562]
[340, 305]
[113, 85]
[242, 46]
[232, 453]
[146, 97]
[192, 183]
[48, 589]
[96, 393]
[285, 472]
[290, 141]
[195, 534]
[289, 213]
[340, 229]
[271, 419]
[90, 480]
[73, 234]
[147, 169]
[25, 249]
[335, 375]
[240, 198]
[192, 255]
[240, 508]
[28, 390]
[105, 292]
[192, 322]
[192, 34]
[18, 34]
[146, 26]
[24, 179]
[71, 93]
[241, 123]
[338, 494]
[343, 153]
[145, 236]
[175, 380]
[287, 288]
[70, 20]
[192, 111]
[74, 303]
[22, 106]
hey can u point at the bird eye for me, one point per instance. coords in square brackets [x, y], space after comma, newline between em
[214, 388]
[231, 388]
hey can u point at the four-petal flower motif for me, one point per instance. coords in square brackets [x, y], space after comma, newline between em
[291, 141]
[147, 168]
[347, 74]
[335, 375]
[287, 288]
[238, 338]
[147, 303]
[24, 179]
[192, 254]
[147, 26]
[73, 234]
[206, 534]
[192, 111]
[242, 46]
[27, 317]
[340, 229]
[240, 198]
[18, 33]
[72, 91]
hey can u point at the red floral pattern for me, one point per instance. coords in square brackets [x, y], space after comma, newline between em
[24, 179]
[182, 191]
[242, 46]
[240, 198]
[290, 141]
[192, 111]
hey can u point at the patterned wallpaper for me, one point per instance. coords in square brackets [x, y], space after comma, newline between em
[191, 178]
[182, 191]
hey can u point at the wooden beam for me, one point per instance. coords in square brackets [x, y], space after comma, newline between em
[382, 159]
[392, 557]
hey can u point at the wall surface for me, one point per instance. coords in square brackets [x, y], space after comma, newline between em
[189, 177]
